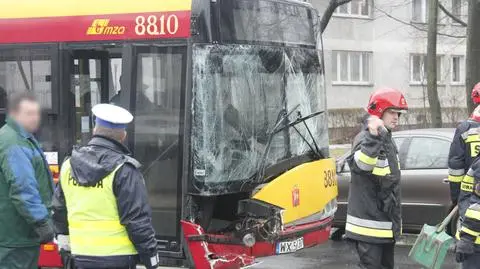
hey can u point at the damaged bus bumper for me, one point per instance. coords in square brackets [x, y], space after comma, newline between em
[212, 251]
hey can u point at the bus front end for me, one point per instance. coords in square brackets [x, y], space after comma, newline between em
[261, 181]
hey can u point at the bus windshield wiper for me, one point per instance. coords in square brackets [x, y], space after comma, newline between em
[282, 116]
[315, 149]
[257, 177]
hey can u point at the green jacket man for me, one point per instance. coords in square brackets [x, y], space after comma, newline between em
[26, 187]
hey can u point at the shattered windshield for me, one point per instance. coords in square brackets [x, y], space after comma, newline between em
[240, 93]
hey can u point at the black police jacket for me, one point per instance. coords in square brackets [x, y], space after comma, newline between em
[374, 200]
[92, 163]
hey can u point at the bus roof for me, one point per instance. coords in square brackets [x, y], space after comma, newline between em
[29, 21]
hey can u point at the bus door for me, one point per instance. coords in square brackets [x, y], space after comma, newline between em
[94, 79]
[156, 136]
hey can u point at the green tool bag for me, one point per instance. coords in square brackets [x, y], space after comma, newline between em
[432, 244]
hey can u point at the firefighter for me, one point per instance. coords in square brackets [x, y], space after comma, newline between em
[101, 201]
[374, 209]
[464, 148]
[467, 250]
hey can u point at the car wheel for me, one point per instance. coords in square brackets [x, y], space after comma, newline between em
[337, 235]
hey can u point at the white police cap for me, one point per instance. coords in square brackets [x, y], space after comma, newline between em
[111, 116]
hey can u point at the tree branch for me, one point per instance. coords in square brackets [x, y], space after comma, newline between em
[449, 14]
[327, 15]
[415, 26]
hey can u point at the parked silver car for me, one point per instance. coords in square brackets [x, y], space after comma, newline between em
[423, 157]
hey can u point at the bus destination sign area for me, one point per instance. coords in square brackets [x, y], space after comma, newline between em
[98, 27]
[33, 21]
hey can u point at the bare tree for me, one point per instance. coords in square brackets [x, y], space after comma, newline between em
[433, 100]
[327, 14]
[473, 49]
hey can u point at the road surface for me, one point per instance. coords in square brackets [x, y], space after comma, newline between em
[337, 255]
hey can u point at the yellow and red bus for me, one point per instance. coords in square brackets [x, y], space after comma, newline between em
[229, 103]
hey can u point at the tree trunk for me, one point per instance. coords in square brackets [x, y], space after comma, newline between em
[473, 50]
[327, 14]
[434, 103]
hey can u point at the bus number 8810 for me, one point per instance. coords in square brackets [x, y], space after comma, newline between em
[153, 25]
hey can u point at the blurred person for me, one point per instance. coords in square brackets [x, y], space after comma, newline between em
[101, 210]
[374, 201]
[26, 186]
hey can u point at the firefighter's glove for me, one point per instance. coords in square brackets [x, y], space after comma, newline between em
[45, 232]
[63, 242]
[464, 249]
[150, 261]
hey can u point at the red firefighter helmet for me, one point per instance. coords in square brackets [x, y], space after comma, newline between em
[384, 99]
[476, 94]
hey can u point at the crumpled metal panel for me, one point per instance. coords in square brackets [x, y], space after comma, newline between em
[204, 258]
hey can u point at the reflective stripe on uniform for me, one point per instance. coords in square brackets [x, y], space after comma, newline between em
[95, 225]
[364, 161]
[472, 214]
[368, 231]
[104, 242]
[369, 223]
[381, 171]
[455, 179]
[477, 240]
[456, 175]
[470, 232]
[381, 229]
[472, 138]
[382, 168]
[468, 179]
[456, 172]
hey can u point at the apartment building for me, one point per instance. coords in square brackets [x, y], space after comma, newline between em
[370, 44]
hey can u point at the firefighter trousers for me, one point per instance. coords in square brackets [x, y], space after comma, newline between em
[374, 256]
[472, 262]
[19, 258]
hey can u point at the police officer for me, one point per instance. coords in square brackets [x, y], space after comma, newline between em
[464, 148]
[101, 201]
[374, 209]
[468, 247]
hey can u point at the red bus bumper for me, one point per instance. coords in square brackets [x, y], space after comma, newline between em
[210, 251]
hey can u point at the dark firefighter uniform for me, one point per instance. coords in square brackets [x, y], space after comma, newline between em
[468, 247]
[464, 148]
[374, 208]
[101, 203]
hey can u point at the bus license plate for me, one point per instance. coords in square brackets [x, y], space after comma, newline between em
[289, 246]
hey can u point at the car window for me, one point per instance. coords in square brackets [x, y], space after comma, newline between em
[399, 142]
[427, 153]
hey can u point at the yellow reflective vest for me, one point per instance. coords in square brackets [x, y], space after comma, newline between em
[93, 220]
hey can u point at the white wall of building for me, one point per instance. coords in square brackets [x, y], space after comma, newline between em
[391, 42]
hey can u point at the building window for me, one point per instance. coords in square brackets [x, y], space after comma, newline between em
[457, 69]
[351, 67]
[355, 8]
[419, 11]
[418, 71]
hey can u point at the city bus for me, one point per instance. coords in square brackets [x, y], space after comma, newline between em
[230, 113]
